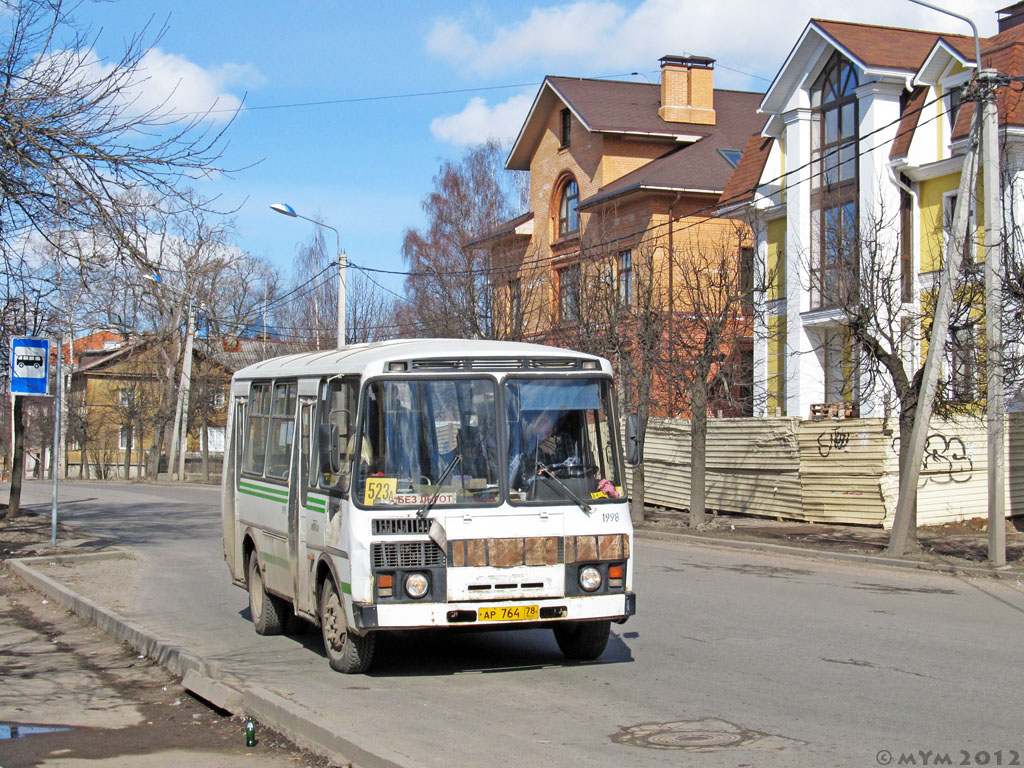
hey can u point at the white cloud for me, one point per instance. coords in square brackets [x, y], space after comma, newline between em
[479, 122]
[598, 37]
[173, 84]
[168, 84]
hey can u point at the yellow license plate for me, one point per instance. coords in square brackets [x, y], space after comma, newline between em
[509, 613]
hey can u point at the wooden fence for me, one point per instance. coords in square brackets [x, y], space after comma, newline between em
[835, 470]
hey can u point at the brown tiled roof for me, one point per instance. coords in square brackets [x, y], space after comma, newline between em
[747, 176]
[1005, 53]
[908, 123]
[890, 47]
[610, 105]
[697, 166]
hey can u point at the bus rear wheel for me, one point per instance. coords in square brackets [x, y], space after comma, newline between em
[346, 651]
[268, 611]
[583, 640]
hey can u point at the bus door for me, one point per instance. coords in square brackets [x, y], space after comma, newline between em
[307, 523]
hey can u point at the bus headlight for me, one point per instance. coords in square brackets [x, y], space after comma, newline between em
[417, 585]
[590, 578]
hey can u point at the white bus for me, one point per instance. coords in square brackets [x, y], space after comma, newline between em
[428, 483]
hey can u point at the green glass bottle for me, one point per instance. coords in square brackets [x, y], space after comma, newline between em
[250, 732]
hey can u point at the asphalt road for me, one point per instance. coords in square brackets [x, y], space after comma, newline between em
[734, 658]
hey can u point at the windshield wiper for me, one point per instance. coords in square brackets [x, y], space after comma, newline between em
[422, 511]
[562, 488]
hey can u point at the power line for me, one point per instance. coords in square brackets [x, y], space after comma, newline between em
[382, 97]
[710, 209]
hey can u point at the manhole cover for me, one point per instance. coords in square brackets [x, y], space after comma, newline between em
[696, 735]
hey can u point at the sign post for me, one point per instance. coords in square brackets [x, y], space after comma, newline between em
[55, 457]
[30, 375]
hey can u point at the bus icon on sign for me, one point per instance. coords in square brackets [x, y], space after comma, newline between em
[26, 361]
[29, 366]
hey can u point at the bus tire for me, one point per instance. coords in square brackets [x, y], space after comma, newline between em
[267, 611]
[583, 640]
[346, 652]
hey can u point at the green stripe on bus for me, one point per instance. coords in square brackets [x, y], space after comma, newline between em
[346, 588]
[268, 497]
[320, 505]
[267, 491]
[274, 560]
[261, 487]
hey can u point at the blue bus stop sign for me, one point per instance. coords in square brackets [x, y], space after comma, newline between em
[30, 366]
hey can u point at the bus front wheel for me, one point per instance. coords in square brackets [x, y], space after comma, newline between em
[268, 611]
[583, 640]
[346, 651]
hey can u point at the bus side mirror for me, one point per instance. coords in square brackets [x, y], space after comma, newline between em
[330, 450]
[633, 440]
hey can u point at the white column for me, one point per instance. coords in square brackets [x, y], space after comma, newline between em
[879, 198]
[803, 373]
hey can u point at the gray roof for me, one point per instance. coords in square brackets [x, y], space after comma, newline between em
[371, 358]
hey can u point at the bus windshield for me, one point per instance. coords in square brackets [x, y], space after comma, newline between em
[560, 441]
[429, 437]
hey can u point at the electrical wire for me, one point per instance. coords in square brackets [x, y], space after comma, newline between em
[710, 209]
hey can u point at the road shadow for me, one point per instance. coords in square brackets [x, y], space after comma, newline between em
[463, 650]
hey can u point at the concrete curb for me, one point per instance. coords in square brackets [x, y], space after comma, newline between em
[305, 728]
[824, 554]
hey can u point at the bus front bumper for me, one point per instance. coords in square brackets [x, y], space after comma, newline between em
[495, 613]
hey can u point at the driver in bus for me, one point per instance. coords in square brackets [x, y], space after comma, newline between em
[542, 443]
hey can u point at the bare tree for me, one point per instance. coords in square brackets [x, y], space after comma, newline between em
[449, 286]
[27, 289]
[75, 143]
[74, 138]
[310, 315]
[710, 357]
[880, 324]
[613, 303]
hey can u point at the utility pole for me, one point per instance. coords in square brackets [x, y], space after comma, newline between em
[55, 459]
[985, 121]
[911, 470]
[181, 412]
[287, 210]
[994, 403]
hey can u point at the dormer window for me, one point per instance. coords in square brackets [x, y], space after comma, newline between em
[568, 215]
[566, 126]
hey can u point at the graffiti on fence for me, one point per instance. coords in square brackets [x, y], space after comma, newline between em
[947, 457]
[834, 440]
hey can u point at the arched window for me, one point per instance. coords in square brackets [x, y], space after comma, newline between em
[568, 215]
[834, 138]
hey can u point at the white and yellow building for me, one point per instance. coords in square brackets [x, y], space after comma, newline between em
[866, 131]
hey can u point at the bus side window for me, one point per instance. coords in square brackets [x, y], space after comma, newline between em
[256, 430]
[336, 434]
[282, 430]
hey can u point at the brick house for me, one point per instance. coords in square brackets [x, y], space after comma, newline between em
[623, 180]
[855, 175]
[113, 407]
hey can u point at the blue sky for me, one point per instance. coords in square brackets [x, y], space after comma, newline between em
[364, 163]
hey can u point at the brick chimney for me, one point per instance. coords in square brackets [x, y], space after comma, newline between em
[1012, 16]
[687, 90]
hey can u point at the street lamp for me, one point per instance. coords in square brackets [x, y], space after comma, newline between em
[287, 210]
[180, 435]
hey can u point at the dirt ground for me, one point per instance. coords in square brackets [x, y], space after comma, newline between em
[71, 694]
[962, 543]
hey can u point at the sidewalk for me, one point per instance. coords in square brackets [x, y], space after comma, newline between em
[951, 547]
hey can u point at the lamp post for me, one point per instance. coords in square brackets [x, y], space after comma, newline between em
[287, 210]
[179, 439]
